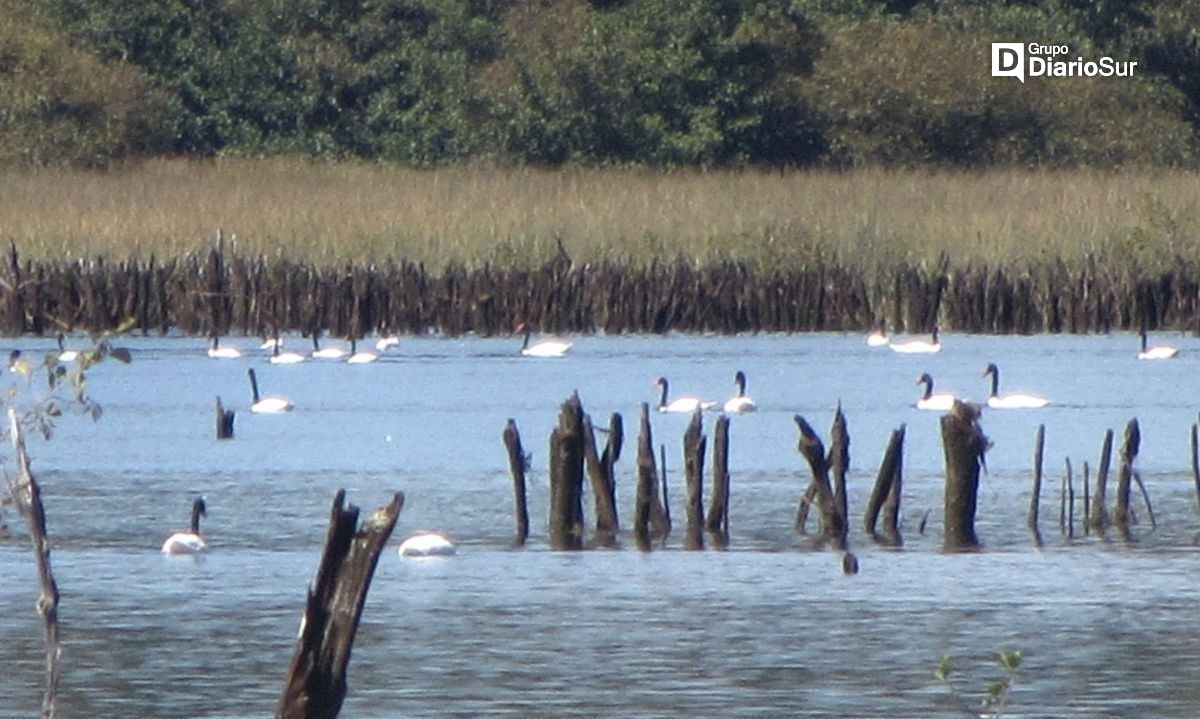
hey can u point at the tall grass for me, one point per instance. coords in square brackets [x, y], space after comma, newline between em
[356, 211]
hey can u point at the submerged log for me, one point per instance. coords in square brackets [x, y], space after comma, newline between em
[517, 466]
[316, 683]
[833, 527]
[694, 445]
[566, 477]
[964, 445]
[885, 496]
[27, 495]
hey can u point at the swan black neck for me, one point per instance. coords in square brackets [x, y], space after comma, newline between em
[527, 332]
[739, 379]
[1145, 341]
[926, 380]
[662, 400]
[994, 371]
[198, 511]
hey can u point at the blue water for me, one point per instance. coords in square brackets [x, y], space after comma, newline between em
[768, 628]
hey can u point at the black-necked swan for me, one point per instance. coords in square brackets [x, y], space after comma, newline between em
[1017, 400]
[940, 402]
[933, 344]
[387, 342]
[546, 348]
[740, 402]
[279, 356]
[220, 352]
[320, 352]
[426, 544]
[680, 404]
[188, 542]
[360, 357]
[267, 405]
[66, 355]
[1157, 351]
[878, 336]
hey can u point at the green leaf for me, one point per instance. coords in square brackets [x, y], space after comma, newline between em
[1009, 660]
[943, 669]
[995, 689]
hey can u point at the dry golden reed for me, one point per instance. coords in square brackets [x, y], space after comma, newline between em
[356, 211]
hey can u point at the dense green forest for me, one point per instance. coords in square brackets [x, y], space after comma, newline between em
[706, 83]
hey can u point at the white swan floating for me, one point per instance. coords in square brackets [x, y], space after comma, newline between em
[188, 542]
[680, 404]
[360, 356]
[427, 544]
[1017, 400]
[320, 352]
[279, 356]
[218, 352]
[266, 405]
[939, 402]
[740, 402]
[1156, 352]
[908, 347]
[545, 348]
[384, 343]
[66, 355]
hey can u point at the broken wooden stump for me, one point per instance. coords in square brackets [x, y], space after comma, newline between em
[1039, 447]
[647, 481]
[1196, 462]
[694, 446]
[566, 477]
[224, 421]
[964, 445]
[316, 683]
[27, 495]
[717, 522]
[517, 466]
[1129, 451]
[833, 525]
[1098, 518]
[885, 497]
[839, 463]
[600, 473]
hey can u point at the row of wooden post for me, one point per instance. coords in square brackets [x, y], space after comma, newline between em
[573, 449]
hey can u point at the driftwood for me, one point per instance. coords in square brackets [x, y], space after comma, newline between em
[811, 448]
[885, 496]
[694, 445]
[717, 521]
[566, 477]
[964, 445]
[27, 495]
[316, 681]
[516, 465]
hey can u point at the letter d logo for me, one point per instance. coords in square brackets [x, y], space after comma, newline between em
[1008, 60]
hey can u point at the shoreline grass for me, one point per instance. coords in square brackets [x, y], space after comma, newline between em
[326, 213]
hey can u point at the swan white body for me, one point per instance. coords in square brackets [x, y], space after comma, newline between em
[360, 357]
[219, 352]
[383, 343]
[426, 544]
[1016, 400]
[877, 339]
[280, 357]
[680, 404]
[66, 355]
[1157, 352]
[271, 345]
[909, 347]
[320, 352]
[267, 405]
[189, 542]
[545, 348]
[938, 402]
[740, 403]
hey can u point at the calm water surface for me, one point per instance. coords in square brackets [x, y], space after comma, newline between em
[769, 628]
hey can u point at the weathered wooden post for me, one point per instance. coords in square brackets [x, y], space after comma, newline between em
[717, 521]
[566, 477]
[812, 449]
[316, 683]
[1196, 462]
[839, 463]
[1039, 446]
[694, 446]
[964, 445]
[885, 496]
[647, 481]
[1099, 514]
[27, 495]
[600, 473]
[1129, 451]
[516, 465]
[224, 421]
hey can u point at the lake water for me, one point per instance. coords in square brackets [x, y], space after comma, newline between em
[769, 628]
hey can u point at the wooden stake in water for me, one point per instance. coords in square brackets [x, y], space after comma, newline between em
[566, 477]
[885, 496]
[517, 466]
[717, 521]
[1099, 513]
[694, 446]
[1039, 446]
[1133, 440]
[964, 445]
[224, 421]
[811, 448]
